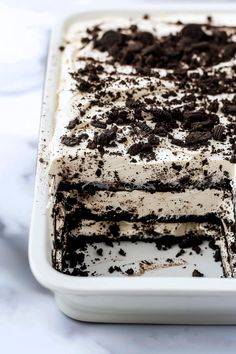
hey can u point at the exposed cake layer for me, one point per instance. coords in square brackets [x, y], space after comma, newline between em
[157, 211]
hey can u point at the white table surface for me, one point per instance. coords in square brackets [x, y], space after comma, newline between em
[30, 321]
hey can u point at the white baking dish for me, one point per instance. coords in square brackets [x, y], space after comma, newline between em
[117, 299]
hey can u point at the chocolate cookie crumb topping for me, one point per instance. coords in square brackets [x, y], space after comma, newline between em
[129, 271]
[213, 106]
[218, 132]
[74, 140]
[139, 148]
[122, 252]
[233, 158]
[100, 251]
[198, 138]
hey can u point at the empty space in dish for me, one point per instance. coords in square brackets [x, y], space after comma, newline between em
[125, 258]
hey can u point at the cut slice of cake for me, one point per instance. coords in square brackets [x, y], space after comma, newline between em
[144, 140]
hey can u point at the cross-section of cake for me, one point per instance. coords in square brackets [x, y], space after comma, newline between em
[144, 141]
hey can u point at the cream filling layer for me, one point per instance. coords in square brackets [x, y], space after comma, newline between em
[160, 204]
[145, 231]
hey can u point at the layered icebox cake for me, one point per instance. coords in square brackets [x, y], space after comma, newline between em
[143, 151]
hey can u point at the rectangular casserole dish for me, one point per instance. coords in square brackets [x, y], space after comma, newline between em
[117, 299]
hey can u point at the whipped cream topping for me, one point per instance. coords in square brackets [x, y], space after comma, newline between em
[68, 160]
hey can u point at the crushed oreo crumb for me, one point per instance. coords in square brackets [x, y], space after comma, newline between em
[100, 251]
[218, 132]
[122, 252]
[129, 271]
[196, 273]
[138, 148]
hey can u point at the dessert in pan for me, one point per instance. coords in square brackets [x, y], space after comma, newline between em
[143, 150]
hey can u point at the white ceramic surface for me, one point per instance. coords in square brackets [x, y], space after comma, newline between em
[113, 299]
